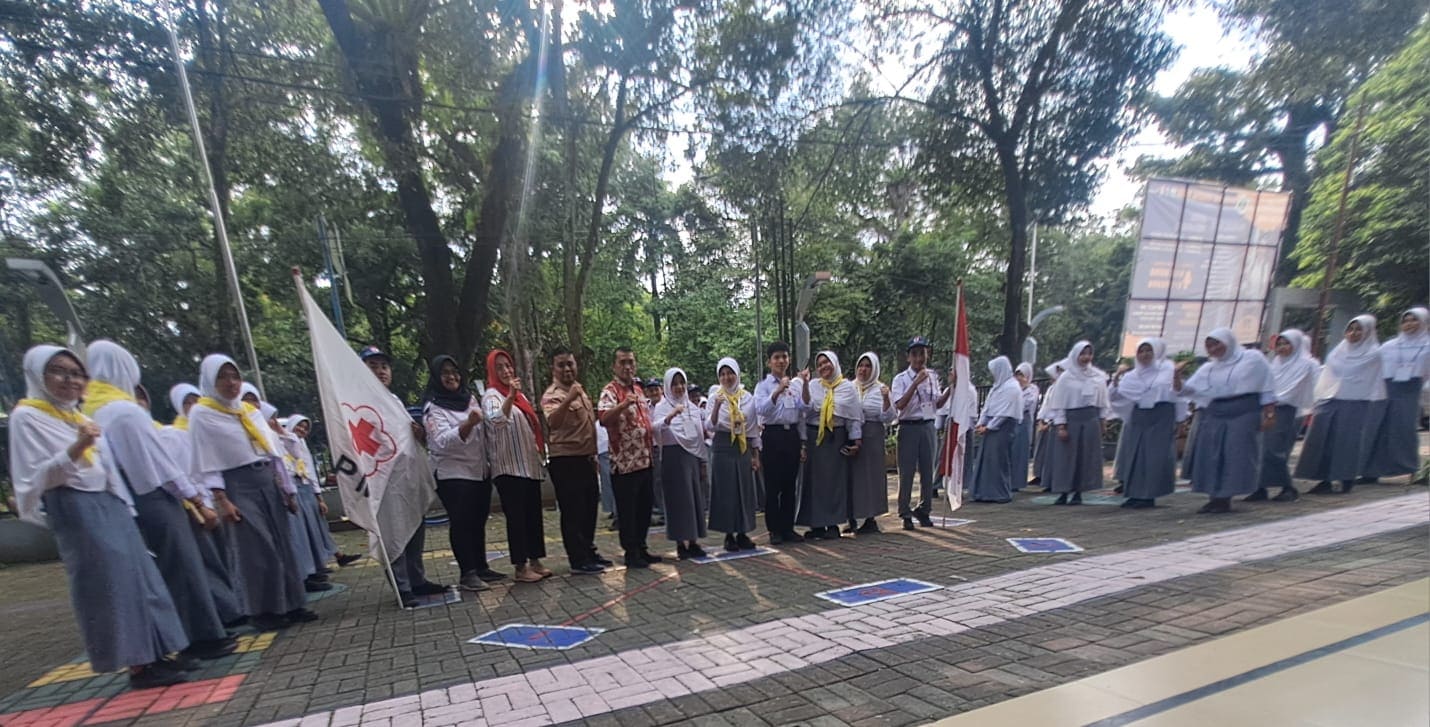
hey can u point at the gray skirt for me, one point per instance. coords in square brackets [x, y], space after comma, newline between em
[267, 572]
[1147, 453]
[310, 534]
[1076, 465]
[126, 616]
[993, 476]
[680, 481]
[1022, 451]
[824, 492]
[1335, 447]
[1276, 447]
[732, 487]
[213, 548]
[1042, 442]
[166, 531]
[868, 485]
[1396, 447]
[1228, 447]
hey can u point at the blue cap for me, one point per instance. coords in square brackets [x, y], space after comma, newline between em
[371, 352]
[918, 341]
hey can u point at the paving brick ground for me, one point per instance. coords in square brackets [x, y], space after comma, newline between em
[1094, 617]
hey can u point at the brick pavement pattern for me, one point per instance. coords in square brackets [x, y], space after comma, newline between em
[644, 676]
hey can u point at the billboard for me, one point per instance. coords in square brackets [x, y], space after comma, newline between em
[1205, 259]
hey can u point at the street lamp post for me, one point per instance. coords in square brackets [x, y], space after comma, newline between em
[801, 329]
[1030, 344]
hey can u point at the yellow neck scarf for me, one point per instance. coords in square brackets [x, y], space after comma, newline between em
[71, 418]
[255, 435]
[100, 393]
[181, 423]
[737, 420]
[826, 411]
[298, 466]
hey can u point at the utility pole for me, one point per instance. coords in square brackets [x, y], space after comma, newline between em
[1333, 255]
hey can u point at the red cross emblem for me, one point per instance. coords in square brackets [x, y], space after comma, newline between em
[371, 443]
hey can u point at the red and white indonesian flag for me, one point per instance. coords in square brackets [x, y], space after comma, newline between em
[382, 470]
[961, 410]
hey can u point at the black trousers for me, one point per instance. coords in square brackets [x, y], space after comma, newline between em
[468, 504]
[521, 503]
[779, 461]
[634, 493]
[578, 490]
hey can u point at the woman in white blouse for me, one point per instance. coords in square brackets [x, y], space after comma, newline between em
[735, 457]
[868, 483]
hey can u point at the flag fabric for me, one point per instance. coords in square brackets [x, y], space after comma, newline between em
[381, 468]
[961, 410]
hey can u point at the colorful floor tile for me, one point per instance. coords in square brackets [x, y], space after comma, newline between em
[531, 636]
[1044, 545]
[877, 591]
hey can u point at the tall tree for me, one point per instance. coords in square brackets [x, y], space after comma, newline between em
[1265, 121]
[1028, 98]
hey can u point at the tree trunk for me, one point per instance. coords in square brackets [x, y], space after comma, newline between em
[212, 54]
[1010, 341]
[1290, 149]
[575, 293]
[377, 64]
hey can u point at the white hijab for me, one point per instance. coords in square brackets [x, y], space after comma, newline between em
[871, 394]
[1030, 392]
[299, 446]
[178, 393]
[36, 438]
[1295, 375]
[1005, 399]
[846, 396]
[745, 398]
[1146, 386]
[686, 426]
[1236, 373]
[220, 441]
[134, 443]
[1408, 357]
[1353, 370]
[1079, 386]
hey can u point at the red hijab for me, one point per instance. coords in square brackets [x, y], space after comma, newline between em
[521, 402]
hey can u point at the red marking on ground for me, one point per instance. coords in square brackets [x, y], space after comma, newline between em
[640, 589]
[801, 571]
[151, 701]
[65, 715]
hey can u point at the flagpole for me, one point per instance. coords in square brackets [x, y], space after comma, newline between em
[951, 434]
[219, 229]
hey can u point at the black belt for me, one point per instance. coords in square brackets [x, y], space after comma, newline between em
[255, 465]
[916, 421]
[785, 427]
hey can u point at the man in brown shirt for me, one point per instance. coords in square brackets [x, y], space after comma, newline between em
[571, 446]
[626, 416]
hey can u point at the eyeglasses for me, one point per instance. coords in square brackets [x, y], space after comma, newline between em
[67, 374]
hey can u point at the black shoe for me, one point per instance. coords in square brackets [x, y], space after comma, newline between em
[681, 553]
[1035, 482]
[696, 551]
[777, 539]
[851, 528]
[211, 649]
[312, 586]
[270, 622]
[831, 533]
[180, 663]
[347, 560]
[908, 523]
[408, 600]
[491, 576]
[320, 576]
[634, 560]
[1216, 506]
[588, 569]
[1117, 490]
[651, 557]
[924, 519]
[814, 534]
[614, 526]
[1259, 496]
[869, 527]
[598, 560]
[240, 621]
[1142, 504]
[1076, 499]
[730, 544]
[792, 537]
[1129, 502]
[1346, 487]
[1368, 481]
[1287, 494]
[429, 589]
[1322, 488]
[1062, 499]
[154, 675]
[744, 542]
[300, 616]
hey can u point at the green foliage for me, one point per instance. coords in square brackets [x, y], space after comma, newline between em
[1382, 257]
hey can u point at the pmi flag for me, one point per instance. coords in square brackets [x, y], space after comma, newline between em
[381, 469]
[960, 411]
